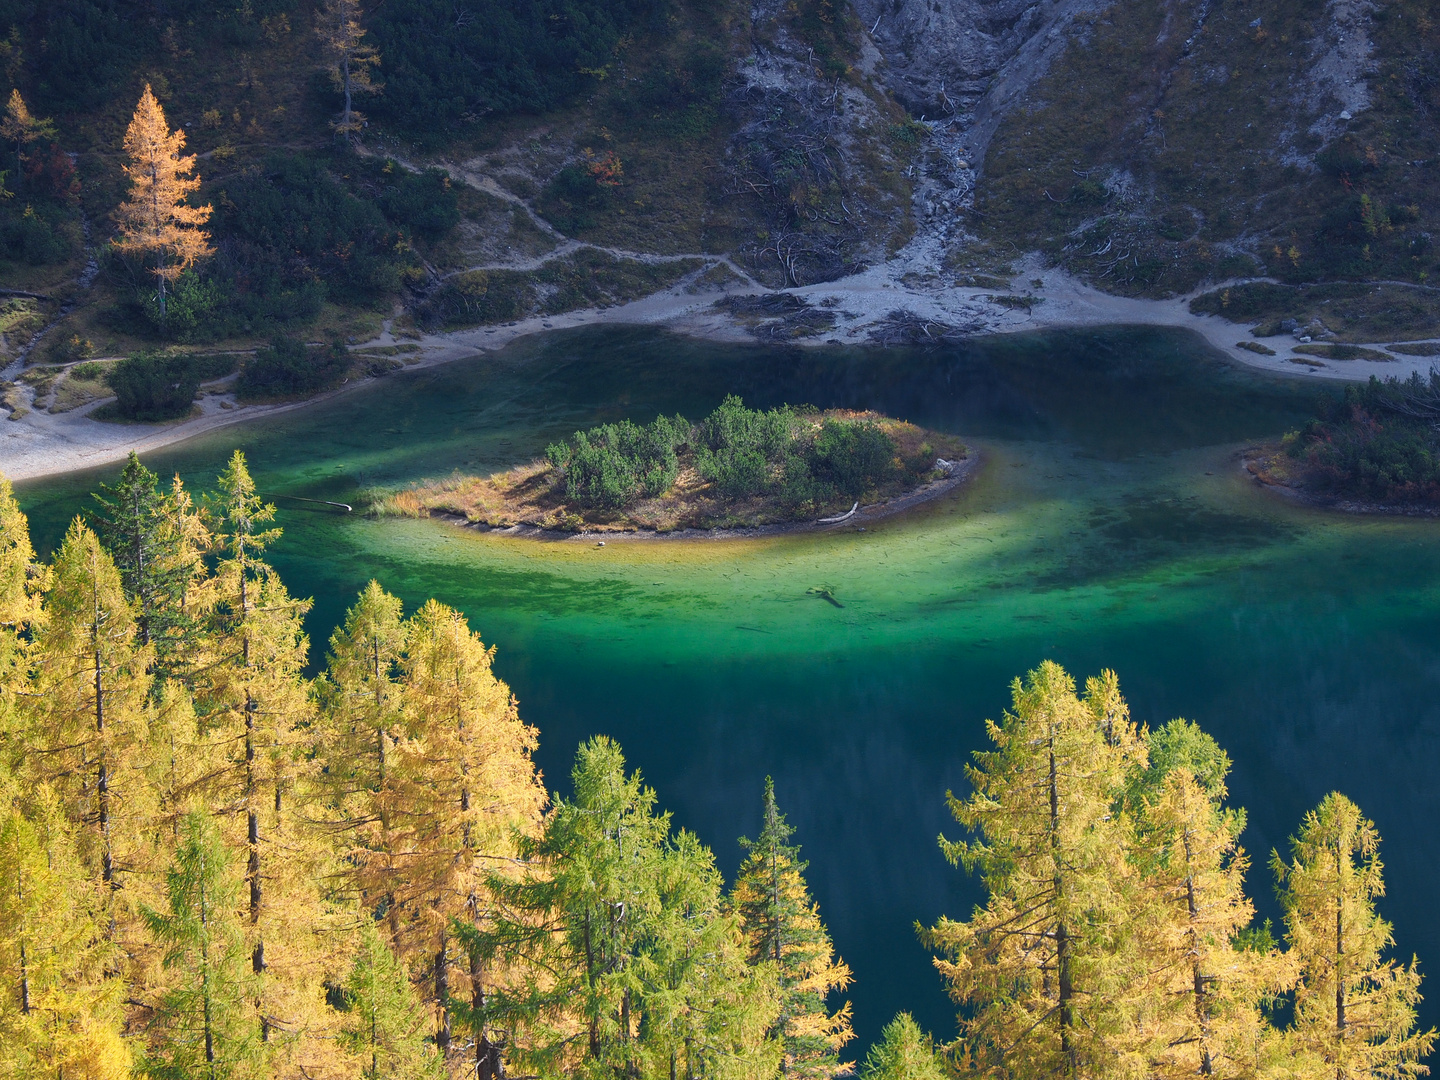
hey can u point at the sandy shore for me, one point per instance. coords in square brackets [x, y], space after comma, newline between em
[43, 444]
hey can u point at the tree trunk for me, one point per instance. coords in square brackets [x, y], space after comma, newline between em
[1063, 944]
[442, 995]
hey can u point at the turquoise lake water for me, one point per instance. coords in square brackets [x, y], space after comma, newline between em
[1110, 526]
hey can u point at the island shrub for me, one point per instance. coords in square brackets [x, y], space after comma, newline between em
[744, 452]
[288, 368]
[152, 386]
[741, 453]
[1378, 443]
[608, 467]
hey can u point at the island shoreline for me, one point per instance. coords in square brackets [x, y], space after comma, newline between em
[864, 515]
[1252, 462]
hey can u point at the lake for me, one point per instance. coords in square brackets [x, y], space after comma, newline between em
[1110, 526]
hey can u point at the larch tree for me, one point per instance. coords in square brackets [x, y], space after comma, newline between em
[1354, 1010]
[370, 782]
[1045, 968]
[1206, 983]
[472, 789]
[88, 722]
[157, 223]
[350, 59]
[781, 926]
[202, 1022]
[22, 128]
[20, 612]
[253, 698]
[60, 1015]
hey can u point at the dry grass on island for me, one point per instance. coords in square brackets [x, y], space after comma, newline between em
[738, 468]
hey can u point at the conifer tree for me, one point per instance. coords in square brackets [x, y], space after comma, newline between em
[59, 1013]
[351, 60]
[384, 1024]
[1046, 967]
[370, 782]
[1204, 982]
[706, 1011]
[88, 721]
[254, 699]
[1354, 1010]
[156, 223]
[20, 581]
[621, 962]
[781, 925]
[22, 128]
[157, 550]
[904, 1052]
[203, 1022]
[471, 788]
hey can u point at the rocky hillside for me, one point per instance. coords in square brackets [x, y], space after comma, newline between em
[525, 161]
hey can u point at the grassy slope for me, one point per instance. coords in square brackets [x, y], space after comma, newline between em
[1151, 168]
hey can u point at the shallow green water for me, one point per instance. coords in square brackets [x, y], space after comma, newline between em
[1110, 526]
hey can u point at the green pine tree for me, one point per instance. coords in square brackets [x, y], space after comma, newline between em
[384, 1025]
[781, 925]
[204, 1028]
[904, 1052]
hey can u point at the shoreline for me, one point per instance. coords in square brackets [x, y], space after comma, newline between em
[1251, 463]
[862, 516]
[42, 444]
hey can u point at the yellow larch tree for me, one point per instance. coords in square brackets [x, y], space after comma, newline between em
[22, 128]
[474, 788]
[254, 704]
[1046, 968]
[1208, 978]
[157, 224]
[350, 58]
[20, 612]
[59, 1012]
[87, 726]
[1354, 1010]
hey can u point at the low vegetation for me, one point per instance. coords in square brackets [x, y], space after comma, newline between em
[1347, 311]
[737, 467]
[1378, 445]
[1152, 158]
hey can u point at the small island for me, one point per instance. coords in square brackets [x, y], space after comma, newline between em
[1377, 450]
[738, 468]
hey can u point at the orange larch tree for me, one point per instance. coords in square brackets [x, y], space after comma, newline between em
[156, 222]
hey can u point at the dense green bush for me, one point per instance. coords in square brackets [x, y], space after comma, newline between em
[153, 387]
[425, 202]
[37, 234]
[742, 452]
[610, 466]
[1380, 442]
[288, 368]
[853, 457]
[291, 234]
